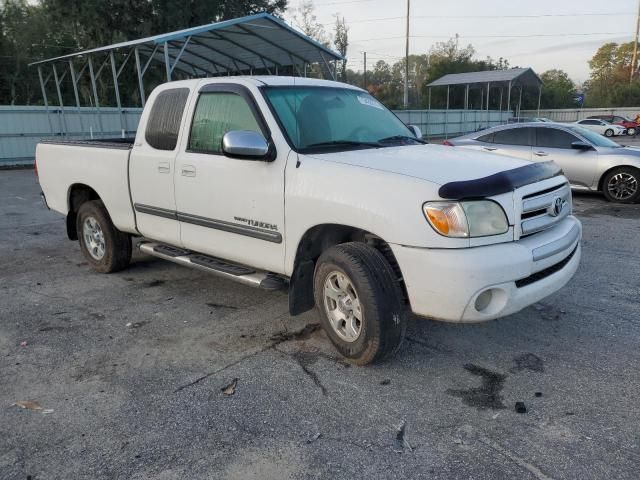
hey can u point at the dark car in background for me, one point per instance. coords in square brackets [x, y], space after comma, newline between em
[630, 125]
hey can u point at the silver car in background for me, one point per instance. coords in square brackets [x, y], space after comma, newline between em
[590, 161]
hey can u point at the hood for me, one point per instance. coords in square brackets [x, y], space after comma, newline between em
[630, 151]
[434, 163]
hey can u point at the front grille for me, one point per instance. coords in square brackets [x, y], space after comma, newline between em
[538, 211]
[523, 282]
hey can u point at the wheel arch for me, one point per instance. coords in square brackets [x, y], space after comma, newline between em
[313, 243]
[78, 194]
[609, 170]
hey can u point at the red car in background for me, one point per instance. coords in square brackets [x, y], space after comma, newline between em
[630, 125]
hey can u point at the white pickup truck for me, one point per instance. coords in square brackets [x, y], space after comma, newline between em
[314, 186]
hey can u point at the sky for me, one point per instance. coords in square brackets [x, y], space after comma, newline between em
[541, 34]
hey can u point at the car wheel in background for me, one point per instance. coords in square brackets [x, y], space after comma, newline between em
[608, 133]
[631, 131]
[622, 185]
[106, 248]
[359, 302]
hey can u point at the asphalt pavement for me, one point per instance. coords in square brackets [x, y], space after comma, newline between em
[160, 372]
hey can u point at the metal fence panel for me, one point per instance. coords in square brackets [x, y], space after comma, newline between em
[451, 123]
[22, 127]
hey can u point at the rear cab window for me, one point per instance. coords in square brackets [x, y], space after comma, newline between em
[163, 126]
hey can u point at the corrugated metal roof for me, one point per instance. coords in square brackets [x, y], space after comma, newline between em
[524, 76]
[254, 41]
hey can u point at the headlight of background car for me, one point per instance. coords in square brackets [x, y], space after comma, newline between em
[474, 218]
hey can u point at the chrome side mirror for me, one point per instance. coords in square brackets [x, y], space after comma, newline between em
[245, 144]
[416, 131]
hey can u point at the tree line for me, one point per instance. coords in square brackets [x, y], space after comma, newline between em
[34, 30]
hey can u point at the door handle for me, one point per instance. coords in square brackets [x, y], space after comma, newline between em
[164, 167]
[490, 149]
[541, 154]
[188, 171]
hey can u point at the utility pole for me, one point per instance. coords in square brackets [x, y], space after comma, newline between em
[634, 61]
[364, 77]
[406, 61]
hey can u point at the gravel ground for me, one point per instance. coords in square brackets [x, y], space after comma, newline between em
[129, 369]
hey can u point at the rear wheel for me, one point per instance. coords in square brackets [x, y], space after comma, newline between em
[631, 131]
[106, 248]
[608, 133]
[621, 185]
[359, 302]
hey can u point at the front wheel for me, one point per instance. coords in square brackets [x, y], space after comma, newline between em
[106, 248]
[359, 302]
[631, 131]
[621, 185]
[608, 133]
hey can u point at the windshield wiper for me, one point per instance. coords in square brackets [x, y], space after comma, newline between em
[395, 138]
[344, 143]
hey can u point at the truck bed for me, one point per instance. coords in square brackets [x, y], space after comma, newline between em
[102, 165]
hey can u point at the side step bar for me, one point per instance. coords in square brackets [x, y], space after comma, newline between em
[216, 266]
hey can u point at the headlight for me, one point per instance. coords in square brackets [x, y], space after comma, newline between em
[474, 218]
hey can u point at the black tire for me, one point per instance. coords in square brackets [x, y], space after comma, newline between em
[631, 176]
[608, 132]
[117, 245]
[383, 323]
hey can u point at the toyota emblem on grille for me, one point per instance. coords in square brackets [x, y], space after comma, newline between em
[557, 206]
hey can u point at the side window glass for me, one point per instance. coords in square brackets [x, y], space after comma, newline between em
[554, 138]
[163, 125]
[512, 136]
[216, 114]
[486, 138]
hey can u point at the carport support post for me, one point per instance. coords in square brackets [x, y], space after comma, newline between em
[167, 64]
[140, 82]
[509, 97]
[488, 90]
[520, 101]
[539, 98]
[115, 86]
[75, 93]
[429, 101]
[500, 103]
[466, 97]
[95, 94]
[44, 97]
[55, 79]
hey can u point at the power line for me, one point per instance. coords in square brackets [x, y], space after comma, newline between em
[535, 35]
[550, 15]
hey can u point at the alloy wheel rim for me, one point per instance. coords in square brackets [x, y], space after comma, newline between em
[93, 238]
[622, 186]
[342, 306]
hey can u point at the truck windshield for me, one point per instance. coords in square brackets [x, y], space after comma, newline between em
[329, 118]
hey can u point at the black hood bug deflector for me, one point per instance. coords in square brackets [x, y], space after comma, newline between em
[501, 182]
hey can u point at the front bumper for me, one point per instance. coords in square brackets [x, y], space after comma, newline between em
[445, 284]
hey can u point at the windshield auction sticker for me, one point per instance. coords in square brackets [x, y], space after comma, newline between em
[370, 102]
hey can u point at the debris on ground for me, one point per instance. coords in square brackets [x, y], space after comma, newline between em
[538, 394]
[314, 438]
[231, 388]
[386, 381]
[29, 405]
[521, 407]
[303, 334]
[401, 438]
[24, 343]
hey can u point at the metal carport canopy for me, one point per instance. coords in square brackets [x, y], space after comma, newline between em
[523, 76]
[259, 41]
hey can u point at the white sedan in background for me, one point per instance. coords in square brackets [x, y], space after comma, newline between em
[602, 127]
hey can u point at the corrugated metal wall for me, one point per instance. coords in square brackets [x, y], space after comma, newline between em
[451, 123]
[22, 127]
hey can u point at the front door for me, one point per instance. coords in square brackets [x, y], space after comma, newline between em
[579, 166]
[152, 166]
[228, 207]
